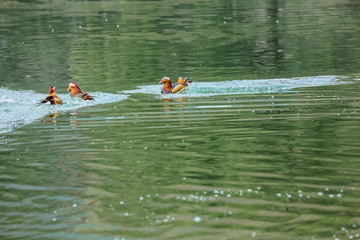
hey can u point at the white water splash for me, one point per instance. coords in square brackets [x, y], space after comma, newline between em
[6, 100]
[19, 108]
[235, 87]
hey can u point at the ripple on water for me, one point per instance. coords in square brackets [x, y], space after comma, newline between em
[27, 103]
[236, 87]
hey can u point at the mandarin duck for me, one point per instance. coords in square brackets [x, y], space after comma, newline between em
[52, 98]
[169, 88]
[76, 92]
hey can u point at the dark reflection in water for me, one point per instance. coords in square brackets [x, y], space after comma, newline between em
[111, 45]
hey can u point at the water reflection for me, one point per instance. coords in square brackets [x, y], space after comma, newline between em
[269, 170]
[51, 118]
[266, 39]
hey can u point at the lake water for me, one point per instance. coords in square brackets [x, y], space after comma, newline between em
[263, 145]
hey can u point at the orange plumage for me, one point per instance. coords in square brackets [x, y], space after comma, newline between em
[169, 88]
[76, 92]
[52, 98]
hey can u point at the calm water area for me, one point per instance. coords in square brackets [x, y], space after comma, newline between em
[265, 144]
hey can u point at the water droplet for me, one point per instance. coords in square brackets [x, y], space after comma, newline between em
[121, 202]
[74, 205]
[197, 219]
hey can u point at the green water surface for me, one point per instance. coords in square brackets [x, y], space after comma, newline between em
[281, 165]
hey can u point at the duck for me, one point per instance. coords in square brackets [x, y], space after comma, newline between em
[169, 88]
[76, 92]
[52, 98]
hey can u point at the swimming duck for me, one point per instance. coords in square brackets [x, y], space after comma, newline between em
[169, 88]
[76, 92]
[52, 98]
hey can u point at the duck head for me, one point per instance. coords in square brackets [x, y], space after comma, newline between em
[74, 88]
[165, 80]
[167, 85]
[52, 90]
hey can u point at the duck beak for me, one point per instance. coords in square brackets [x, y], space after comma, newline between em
[69, 89]
[165, 80]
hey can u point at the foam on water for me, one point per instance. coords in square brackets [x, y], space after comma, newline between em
[18, 108]
[202, 89]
